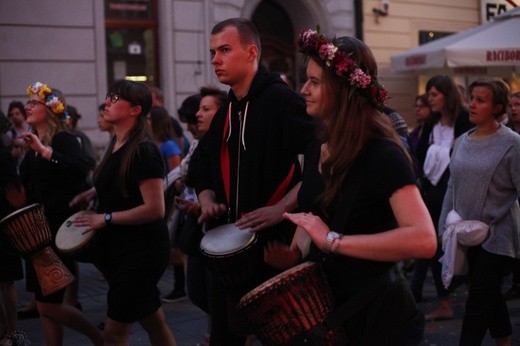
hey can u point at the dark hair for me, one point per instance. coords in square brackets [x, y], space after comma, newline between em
[5, 123]
[247, 31]
[19, 105]
[446, 86]
[219, 95]
[423, 98]
[189, 108]
[138, 95]
[353, 122]
[499, 89]
[74, 116]
[161, 124]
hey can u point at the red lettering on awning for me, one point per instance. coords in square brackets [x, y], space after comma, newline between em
[416, 60]
[503, 55]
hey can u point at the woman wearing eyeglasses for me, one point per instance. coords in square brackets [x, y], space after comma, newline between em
[133, 247]
[52, 172]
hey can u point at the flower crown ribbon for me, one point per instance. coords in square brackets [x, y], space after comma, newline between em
[353, 77]
[44, 92]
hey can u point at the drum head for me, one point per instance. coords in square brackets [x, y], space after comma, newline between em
[20, 211]
[226, 239]
[69, 237]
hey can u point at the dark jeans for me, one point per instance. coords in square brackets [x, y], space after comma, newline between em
[433, 198]
[420, 270]
[485, 307]
[199, 283]
[223, 316]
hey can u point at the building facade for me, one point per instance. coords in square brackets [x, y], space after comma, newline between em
[80, 46]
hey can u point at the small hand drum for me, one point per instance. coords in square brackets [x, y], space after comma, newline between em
[71, 240]
[231, 253]
[28, 232]
[289, 305]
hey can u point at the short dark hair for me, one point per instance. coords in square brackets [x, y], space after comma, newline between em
[189, 107]
[247, 31]
[219, 95]
[19, 105]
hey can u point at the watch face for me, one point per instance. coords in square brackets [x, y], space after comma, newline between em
[333, 235]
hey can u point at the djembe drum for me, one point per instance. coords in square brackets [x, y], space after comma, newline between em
[71, 240]
[28, 232]
[231, 253]
[290, 305]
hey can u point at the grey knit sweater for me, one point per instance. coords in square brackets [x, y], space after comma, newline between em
[485, 186]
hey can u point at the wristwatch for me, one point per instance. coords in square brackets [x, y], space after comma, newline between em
[331, 236]
[108, 218]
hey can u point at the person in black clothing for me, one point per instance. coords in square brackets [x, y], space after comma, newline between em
[358, 201]
[52, 172]
[132, 243]
[259, 132]
[448, 121]
[12, 197]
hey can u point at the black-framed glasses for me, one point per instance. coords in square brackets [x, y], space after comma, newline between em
[113, 97]
[32, 103]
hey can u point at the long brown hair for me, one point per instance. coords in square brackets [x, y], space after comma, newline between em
[137, 94]
[446, 86]
[353, 122]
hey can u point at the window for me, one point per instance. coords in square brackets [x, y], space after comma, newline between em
[131, 40]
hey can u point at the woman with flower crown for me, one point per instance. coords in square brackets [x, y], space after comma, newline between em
[52, 171]
[133, 246]
[360, 205]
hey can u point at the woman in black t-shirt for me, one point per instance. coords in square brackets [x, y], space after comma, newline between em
[132, 243]
[357, 160]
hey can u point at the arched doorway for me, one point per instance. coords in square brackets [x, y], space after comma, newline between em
[277, 36]
[279, 27]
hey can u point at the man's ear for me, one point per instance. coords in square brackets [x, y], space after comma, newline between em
[253, 52]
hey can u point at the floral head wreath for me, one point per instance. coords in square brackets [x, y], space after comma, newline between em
[52, 101]
[353, 77]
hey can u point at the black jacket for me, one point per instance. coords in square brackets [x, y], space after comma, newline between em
[276, 129]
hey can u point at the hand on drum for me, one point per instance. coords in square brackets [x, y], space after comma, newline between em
[281, 256]
[92, 221]
[261, 218]
[187, 206]
[312, 224]
[84, 197]
[211, 211]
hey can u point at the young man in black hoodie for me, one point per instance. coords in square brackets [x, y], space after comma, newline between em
[253, 141]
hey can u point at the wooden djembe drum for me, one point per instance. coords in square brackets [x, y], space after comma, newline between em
[28, 232]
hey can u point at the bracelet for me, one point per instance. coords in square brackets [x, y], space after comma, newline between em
[336, 249]
[47, 153]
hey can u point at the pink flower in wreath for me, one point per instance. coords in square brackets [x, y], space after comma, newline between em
[360, 78]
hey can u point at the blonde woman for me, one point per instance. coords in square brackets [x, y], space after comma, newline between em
[52, 171]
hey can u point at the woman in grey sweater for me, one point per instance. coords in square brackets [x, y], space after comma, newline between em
[485, 186]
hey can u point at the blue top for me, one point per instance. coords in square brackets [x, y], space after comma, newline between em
[169, 149]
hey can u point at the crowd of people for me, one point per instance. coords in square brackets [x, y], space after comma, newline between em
[327, 174]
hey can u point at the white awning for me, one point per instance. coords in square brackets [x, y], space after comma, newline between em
[495, 43]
